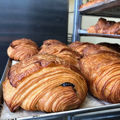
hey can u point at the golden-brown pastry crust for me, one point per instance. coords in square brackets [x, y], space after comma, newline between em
[105, 27]
[22, 48]
[101, 67]
[44, 82]
[59, 49]
[91, 2]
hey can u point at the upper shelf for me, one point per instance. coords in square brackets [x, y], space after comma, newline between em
[108, 8]
[85, 33]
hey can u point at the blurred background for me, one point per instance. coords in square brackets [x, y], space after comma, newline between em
[38, 20]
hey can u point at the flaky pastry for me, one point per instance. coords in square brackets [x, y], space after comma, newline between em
[22, 48]
[44, 82]
[91, 2]
[59, 49]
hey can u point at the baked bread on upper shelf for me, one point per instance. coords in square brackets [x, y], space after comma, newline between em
[22, 48]
[45, 83]
[101, 67]
[90, 2]
[105, 27]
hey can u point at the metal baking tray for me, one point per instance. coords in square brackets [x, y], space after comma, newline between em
[108, 8]
[85, 33]
[86, 108]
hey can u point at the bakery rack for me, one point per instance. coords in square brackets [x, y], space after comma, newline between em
[107, 8]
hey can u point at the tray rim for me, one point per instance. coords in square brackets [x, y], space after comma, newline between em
[84, 32]
[80, 111]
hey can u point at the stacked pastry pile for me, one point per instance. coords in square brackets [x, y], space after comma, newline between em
[56, 78]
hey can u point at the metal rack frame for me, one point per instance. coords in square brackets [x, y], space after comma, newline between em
[95, 10]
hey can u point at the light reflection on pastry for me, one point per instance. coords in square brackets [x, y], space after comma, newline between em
[44, 82]
[22, 48]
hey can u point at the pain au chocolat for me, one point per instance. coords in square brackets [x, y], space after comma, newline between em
[22, 48]
[44, 83]
[101, 67]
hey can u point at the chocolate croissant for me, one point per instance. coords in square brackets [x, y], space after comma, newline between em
[22, 48]
[44, 82]
[105, 27]
[102, 69]
[59, 49]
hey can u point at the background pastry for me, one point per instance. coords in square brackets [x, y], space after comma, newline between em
[59, 49]
[102, 69]
[105, 27]
[91, 2]
[82, 48]
[45, 83]
[22, 48]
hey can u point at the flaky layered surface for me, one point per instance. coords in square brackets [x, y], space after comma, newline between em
[45, 83]
[85, 48]
[101, 67]
[22, 48]
[57, 48]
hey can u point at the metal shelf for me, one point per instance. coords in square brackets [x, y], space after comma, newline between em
[108, 8]
[85, 33]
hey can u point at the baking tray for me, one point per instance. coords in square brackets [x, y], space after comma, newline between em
[85, 33]
[91, 105]
[108, 8]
